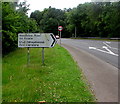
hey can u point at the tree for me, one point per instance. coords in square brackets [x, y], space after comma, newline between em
[23, 7]
[14, 22]
[49, 19]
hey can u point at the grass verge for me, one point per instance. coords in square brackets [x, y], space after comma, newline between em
[99, 39]
[59, 80]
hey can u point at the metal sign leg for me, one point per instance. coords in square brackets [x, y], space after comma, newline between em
[28, 56]
[43, 56]
[60, 38]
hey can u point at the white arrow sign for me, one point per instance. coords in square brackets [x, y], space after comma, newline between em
[36, 40]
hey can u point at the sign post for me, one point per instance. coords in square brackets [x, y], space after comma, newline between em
[60, 37]
[28, 56]
[41, 40]
[43, 55]
[60, 28]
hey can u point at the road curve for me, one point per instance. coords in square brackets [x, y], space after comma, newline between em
[102, 76]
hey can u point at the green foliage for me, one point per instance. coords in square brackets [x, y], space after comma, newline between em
[49, 19]
[95, 19]
[23, 7]
[14, 22]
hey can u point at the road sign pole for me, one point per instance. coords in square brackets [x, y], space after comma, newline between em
[60, 38]
[28, 56]
[43, 55]
[60, 28]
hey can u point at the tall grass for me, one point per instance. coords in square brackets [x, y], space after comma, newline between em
[59, 80]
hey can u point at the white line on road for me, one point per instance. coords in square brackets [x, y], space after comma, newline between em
[108, 51]
[92, 48]
[108, 42]
[109, 46]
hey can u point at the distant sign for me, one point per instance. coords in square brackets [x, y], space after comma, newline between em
[60, 28]
[36, 40]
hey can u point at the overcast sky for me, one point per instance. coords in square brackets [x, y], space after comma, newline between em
[58, 4]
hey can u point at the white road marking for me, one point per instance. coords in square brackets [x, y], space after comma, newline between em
[108, 51]
[109, 46]
[108, 42]
[92, 48]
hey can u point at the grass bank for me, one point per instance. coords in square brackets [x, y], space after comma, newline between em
[59, 80]
[100, 39]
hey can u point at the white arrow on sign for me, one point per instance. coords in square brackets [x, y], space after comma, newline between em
[36, 40]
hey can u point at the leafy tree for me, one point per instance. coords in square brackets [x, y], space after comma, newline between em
[9, 20]
[23, 7]
[49, 19]
[37, 15]
[95, 19]
[14, 22]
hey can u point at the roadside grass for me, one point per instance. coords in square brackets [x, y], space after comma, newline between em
[100, 39]
[59, 80]
[0, 78]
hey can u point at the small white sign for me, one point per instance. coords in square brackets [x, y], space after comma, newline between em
[36, 40]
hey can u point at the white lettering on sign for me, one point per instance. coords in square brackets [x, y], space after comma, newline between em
[36, 40]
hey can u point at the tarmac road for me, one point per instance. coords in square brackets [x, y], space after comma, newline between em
[98, 61]
[107, 51]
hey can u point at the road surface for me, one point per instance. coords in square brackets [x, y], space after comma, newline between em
[99, 63]
[107, 51]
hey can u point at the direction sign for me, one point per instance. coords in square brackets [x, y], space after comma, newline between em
[36, 40]
[60, 28]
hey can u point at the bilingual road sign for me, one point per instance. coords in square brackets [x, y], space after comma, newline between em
[60, 28]
[36, 40]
